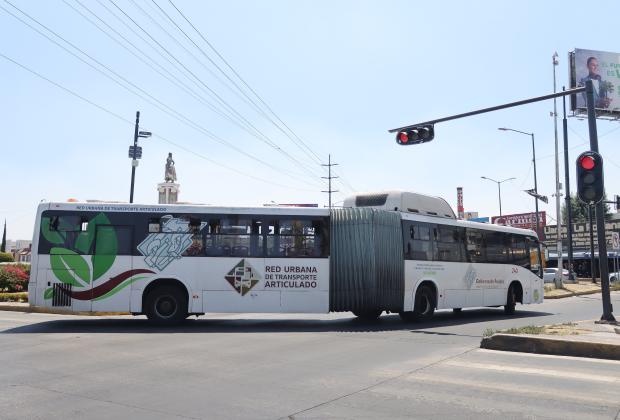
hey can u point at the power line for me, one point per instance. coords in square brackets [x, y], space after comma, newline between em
[125, 120]
[312, 155]
[219, 98]
[155, 102]
[308, 149]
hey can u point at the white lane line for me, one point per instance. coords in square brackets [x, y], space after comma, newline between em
[548, 356]
[533, 371]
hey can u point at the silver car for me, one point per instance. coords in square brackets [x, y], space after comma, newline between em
[550, 273]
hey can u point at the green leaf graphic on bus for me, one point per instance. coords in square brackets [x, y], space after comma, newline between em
[84, 241]
[49, 293]
[69, 267]
[51, 236]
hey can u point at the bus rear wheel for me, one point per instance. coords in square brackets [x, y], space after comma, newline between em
[166, 305]
[511, 301]
[368, 315]
[424, 303]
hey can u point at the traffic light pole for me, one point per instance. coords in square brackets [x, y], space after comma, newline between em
[608, 316]
[133, 160]
[588, 89]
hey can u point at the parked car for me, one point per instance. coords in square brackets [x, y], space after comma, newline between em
[550, 273]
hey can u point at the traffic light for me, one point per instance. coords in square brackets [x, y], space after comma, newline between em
[590, 186]
[415, 135]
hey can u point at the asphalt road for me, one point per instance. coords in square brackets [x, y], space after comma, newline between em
[259, 366]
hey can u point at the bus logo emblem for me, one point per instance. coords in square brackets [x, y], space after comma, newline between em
[242, 277]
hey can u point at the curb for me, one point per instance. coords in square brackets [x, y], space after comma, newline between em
[571, 294]
[553, 346]
[42, 310]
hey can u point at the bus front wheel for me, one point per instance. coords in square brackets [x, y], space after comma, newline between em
[511, 301]
[166, 305]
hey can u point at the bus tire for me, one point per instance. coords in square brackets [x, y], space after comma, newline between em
[424, 307]
[166, 305]
[368, 315]
[511, 301]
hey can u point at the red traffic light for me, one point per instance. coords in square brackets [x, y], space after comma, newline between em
[587, 162]
[415, 135]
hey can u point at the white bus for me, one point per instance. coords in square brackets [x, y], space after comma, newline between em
[384, 252]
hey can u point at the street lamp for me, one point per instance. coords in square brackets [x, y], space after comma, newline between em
[536, 196]
[499, 189]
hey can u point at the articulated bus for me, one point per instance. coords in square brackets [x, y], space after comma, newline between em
[392, 251]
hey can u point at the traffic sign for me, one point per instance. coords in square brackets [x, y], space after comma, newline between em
[138, 152]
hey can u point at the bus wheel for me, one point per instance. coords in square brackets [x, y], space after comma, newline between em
[166, 305]
[511, 301]
[424, 303]
[368, 315]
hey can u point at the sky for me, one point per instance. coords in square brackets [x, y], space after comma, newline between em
[331, 77]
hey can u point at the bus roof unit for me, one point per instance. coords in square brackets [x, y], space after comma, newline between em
[403, 201]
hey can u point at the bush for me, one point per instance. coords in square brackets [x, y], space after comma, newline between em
[14, 297]
[13, 278]
[6, 257]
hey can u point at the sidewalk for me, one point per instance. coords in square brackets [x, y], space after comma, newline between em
[580, 339]
[582, 287]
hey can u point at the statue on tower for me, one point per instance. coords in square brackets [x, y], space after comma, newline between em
[171, 173]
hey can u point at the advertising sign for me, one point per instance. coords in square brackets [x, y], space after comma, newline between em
[459, 203]
[603, 68]
[521, 220]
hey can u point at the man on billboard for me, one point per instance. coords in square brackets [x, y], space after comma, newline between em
[601, 87]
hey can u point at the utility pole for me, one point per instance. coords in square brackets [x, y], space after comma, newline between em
[569, 210]
[560, 273]
[607, 316]
[134, 161]
[135, 152]
[3, 246]
[329, 178]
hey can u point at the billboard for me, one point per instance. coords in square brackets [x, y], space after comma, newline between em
[459, 203]
[521, 220]
[603, 68]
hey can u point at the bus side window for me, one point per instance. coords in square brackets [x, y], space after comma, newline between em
[154, 225]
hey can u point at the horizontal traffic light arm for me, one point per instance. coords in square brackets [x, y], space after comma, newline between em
[494, 108]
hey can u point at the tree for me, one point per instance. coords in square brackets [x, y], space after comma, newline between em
[580, 210]
[3, 246]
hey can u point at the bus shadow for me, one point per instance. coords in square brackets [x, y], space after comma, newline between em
[389, 322]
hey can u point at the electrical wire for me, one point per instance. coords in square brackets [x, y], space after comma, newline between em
[153, 101]
[296, 140]
[131, 123]
[218, 97]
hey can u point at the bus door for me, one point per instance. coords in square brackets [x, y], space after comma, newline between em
[235, 267]
[111, 263]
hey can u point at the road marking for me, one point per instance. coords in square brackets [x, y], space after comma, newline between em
[533, 371]
[549, 356]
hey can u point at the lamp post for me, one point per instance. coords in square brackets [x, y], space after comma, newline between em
[535, 179]
[558, 214]
[536, 196]
[499, 189]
